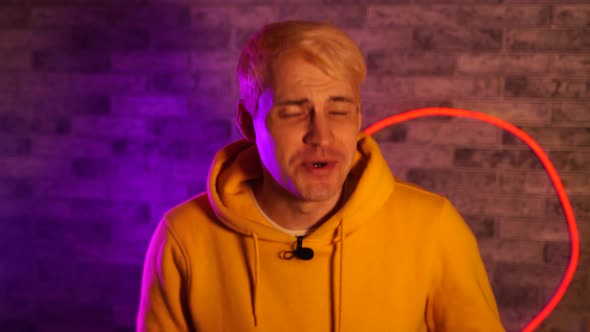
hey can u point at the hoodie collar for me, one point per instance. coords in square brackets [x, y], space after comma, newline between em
[368, 185]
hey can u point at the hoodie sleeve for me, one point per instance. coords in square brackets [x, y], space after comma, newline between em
[162, 305]
[460, 298]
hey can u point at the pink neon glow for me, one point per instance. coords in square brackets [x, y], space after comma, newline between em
[555, 179]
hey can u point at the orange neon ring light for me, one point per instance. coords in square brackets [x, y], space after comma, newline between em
[555, 179]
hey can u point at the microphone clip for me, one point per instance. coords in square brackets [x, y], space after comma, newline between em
[300, 251]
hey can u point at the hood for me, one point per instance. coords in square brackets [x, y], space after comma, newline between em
[369, 184]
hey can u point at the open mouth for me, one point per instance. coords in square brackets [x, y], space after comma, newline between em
[319, 164]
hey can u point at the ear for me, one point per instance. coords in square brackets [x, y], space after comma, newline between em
[245, 122]
[360, 124]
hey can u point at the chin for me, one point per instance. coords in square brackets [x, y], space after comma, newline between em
[320, 193]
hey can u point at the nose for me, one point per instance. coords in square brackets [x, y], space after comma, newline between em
[320, 132]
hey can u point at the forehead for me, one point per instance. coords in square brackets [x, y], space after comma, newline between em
[293, 74]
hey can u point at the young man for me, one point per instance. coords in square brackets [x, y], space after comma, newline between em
[303, 227]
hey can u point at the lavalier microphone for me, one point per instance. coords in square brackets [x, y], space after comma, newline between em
[300, 251]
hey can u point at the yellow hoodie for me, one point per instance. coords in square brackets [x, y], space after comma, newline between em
[394, 258]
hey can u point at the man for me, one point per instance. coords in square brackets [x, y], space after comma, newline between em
[303, 227]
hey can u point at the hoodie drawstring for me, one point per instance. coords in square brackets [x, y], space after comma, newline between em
[339, 274]
[255, 279]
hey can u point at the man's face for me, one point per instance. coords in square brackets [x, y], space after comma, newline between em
[306, 129]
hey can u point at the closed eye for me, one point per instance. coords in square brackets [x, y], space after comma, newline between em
[339, 112]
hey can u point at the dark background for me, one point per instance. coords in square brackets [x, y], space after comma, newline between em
[110, 112]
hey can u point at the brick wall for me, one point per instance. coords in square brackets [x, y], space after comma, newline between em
[110, 114]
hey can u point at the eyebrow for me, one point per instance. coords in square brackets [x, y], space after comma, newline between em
[299, 102]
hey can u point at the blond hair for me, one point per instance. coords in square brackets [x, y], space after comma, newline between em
[321, 44]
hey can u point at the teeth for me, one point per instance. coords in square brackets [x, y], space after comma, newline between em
[319, 165]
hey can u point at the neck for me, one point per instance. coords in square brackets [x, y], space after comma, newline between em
[290, 211]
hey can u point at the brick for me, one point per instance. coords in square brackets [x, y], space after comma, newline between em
[462, 2]
[574, 183]
[49, 84]
[166, 15]
[553, 136]
[93, 126]
[73, 188]
[504, 205]
[205, 40]
[199, 82]
[483, 227]
[472, 39]
[25, 166]
[557, 252]
[572, 16]
[570, 113]
[503, 63]
[14, 60]
[411, 63]
[65, 105]
[387, 16]
[496, 158]
[529, 182]
[149, 106]
[581, 205]
[372, 40]
[66, 146]
[216, 61]
[445, 132]
[515, 296]
[7, 83]
[14, 146]
[166, 149]
[574, 161]
[241, 17]
[254, 16]
[51, 314]
[576, 298]
[131, 214]
[394, 134]
[109, 39]
[548, 40]
[528, 274]
[90, 167]
[93, 232]
[18, 188]
[210, 107]
[571, 64]
[145, 191]
[90, 3]
[513, 251]
[145, 61]
[14, 17]
[517, 229]
[257, 2]
[349, 16]
[377, 108]
[547, 87]
[515, 319]
[432, 87]
[58, 61]
[580, 208]
[413, 155]
[516, 112]
[450, 180]
[211, 17]
[15, 38]
[35, 124]
[537, 182]
[563, 321]
[14, 324]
